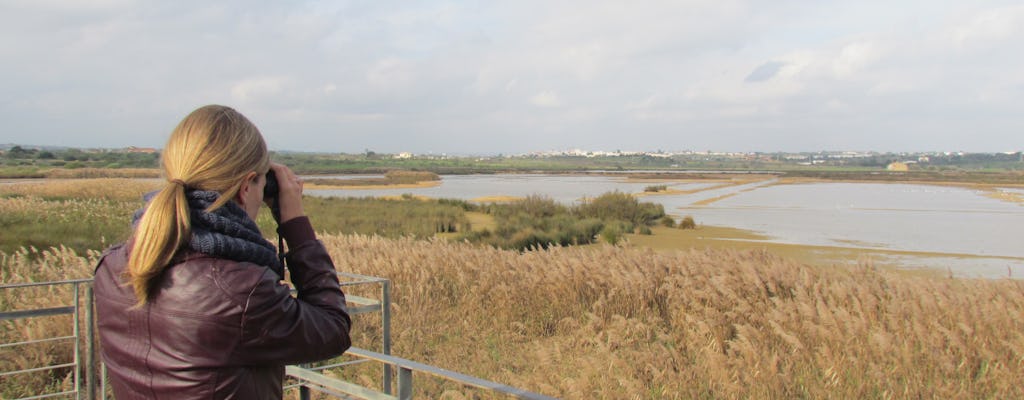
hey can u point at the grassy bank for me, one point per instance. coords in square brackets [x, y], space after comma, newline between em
[391, 178]
[79, 214]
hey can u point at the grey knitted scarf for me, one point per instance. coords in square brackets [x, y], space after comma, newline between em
[227, 232]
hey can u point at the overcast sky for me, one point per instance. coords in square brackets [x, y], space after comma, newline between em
[487, 77]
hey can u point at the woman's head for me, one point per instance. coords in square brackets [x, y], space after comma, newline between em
[214, 148]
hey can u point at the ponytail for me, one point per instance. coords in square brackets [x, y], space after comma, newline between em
[163, 229]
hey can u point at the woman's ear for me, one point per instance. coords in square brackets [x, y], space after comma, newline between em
[243, 197]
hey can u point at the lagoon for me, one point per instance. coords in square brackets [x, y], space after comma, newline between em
[955, 228]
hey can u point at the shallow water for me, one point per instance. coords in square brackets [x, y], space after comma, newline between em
[887, 216]
[567, 189]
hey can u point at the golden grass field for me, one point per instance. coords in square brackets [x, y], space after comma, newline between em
[631, 322]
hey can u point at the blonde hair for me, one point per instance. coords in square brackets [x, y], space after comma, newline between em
[213, 148]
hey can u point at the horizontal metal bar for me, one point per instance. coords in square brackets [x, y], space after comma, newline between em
[334, 384]
[39, 312]
[28, 342]
[361, 300]
[46, 368]
[445, 374]
[340, 395]
[51, 283]
[345, 284]
[341, 364]
[363, 310]
[45, 396]
[363, 278]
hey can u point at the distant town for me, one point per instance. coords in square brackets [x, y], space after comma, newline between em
[27, 156]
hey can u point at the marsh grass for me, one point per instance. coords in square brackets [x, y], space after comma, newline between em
[93, 173]
[32, 265]
[79, 214]
[394, 177]
[614, 322]
[386, 217]
[607, 321]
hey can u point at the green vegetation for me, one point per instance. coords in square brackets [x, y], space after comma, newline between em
[407, 216]
[27, 162]
[539, 222]
[78, 214]
[91, 214]
[32, 162]
[687, 223]
[668, 222]
[395, 177]
[655, 188]
[958, 176]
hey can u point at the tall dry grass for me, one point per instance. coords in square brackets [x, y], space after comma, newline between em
[91, 173]
[615, 322]
[32, 265]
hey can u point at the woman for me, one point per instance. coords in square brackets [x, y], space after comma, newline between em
[192, 306]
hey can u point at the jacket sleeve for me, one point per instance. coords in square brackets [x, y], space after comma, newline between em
[280, 329]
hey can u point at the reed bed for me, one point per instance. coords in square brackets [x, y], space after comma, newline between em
[598, 321]
[93, 188]
[617, 322]
[85, 173]
[613, 322]
[34, 265]
[79, 214]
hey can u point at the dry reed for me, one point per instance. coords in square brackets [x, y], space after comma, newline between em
[614, 322]
[85, 173]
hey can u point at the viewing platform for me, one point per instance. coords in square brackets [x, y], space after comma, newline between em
[71, 301]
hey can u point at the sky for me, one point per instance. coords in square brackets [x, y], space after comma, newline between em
[511, 77]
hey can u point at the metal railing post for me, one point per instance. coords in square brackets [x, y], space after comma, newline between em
[90, 345]
[103, 382]
[76, 333]
[404, 383]
[385, 316]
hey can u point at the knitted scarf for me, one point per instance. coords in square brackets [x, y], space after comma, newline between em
[227, 232]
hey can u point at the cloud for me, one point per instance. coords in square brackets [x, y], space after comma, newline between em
[547, 99]
[853, 57]
[261, 88]
[989, 26]
[765, 71]
[513, 76]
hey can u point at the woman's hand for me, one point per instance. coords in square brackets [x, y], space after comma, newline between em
[289, 197]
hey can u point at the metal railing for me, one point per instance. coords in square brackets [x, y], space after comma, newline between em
[337, 388]
[77, 310]
[84, 363]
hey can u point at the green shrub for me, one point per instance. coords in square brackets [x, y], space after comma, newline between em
[399, 176]
[611, 234]
[668, 221]
[687, 223]
[656, 188]
[621, 206]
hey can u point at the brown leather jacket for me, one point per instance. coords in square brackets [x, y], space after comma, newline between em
[218, 329]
